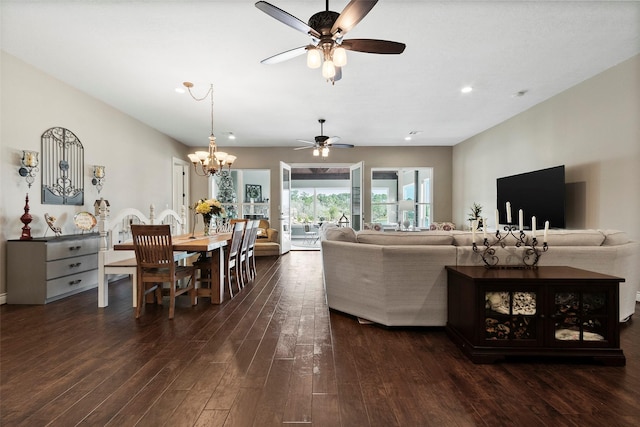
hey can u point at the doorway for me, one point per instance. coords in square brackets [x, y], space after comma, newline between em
[319, 194]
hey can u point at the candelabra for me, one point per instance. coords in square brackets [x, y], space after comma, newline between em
[531, 253]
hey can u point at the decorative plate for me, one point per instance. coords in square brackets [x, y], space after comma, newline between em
[85, 221]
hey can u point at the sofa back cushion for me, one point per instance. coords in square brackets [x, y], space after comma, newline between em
[405, 238]
[572, 237]
[340, 234]
[614, 237]
[465, 238]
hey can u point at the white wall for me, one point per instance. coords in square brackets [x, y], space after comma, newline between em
[592, 128]
[137, 158]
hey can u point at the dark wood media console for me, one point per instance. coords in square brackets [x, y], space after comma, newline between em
[546, 312]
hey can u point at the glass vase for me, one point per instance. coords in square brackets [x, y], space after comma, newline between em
[207, 226]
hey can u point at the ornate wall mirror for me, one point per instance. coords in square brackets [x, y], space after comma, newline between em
[62, 168]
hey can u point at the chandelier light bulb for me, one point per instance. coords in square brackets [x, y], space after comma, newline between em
[340, 56]
[328, 69]
[314, 59]
[325, 151]
[316, 152]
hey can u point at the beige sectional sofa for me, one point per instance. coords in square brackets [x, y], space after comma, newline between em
[399, 279]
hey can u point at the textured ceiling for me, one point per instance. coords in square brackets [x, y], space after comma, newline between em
[132, 54]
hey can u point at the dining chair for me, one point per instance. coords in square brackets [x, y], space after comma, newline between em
[243, 256]
[232, 264]
[156, 265]
[250, 259]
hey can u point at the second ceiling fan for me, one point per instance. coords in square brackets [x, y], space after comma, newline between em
[322, 143]
[327, 30]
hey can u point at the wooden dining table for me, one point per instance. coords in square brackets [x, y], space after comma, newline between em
[203, 244]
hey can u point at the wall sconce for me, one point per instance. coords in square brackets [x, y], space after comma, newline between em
[29, 166]
[98, 177]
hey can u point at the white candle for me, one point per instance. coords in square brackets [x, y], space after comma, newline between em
[520, 219]
[473, 230]
[484, 228]
[546, 229]
[533, 226]
[497, 219]
[508, 212]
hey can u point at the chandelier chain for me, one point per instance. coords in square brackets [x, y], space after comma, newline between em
[209, 93]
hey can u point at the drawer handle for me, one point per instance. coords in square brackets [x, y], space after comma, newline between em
[75, 282]
[77, 264]
[74, 248]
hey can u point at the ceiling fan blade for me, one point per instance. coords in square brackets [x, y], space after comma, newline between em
[287, 18]
[305, 141]
[374, 46]
[302, 148]
[342, 145]
[332, 140]
[285, 56]
[351, 15]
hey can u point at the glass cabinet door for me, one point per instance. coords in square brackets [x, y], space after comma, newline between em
[510, 315]
[580, 317]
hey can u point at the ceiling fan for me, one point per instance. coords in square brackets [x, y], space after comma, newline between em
[327, 30]
[322, 143]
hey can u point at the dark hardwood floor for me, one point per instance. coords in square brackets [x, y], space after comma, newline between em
[275, 355]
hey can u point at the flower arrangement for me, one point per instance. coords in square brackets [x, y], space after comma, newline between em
[208, 208]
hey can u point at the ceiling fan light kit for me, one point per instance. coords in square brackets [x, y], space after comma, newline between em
[322, 143]
[327, 30]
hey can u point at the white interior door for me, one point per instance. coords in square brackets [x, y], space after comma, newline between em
[285, 208]
[355, 174]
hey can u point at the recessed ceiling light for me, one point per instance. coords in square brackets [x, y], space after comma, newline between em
[179, 90]
[412, 133]
[466, 89]
[231, 136]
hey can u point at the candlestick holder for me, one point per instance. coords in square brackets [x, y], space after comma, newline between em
[531, 253]
[29, 166]
[98, 177]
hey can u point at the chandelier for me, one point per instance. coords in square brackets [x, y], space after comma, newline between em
[211, 162]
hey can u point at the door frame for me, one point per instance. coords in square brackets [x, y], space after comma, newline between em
[285, 208]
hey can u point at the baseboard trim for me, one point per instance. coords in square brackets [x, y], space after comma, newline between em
[3, 298]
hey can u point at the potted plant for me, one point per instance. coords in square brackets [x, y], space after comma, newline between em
[474, 214]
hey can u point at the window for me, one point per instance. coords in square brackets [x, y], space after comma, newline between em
[319, 194]
[319, 204]
[389, 186]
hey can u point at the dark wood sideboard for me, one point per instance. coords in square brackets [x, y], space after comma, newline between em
[549, 311]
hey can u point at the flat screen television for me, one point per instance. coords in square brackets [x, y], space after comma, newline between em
[539, 193]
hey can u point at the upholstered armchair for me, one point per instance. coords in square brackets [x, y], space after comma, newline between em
[268, 240]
